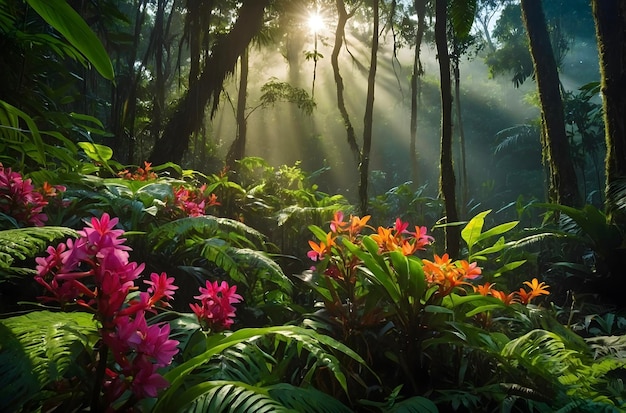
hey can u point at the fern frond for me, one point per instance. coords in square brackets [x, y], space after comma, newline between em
[262, 265]
[321, 348]
[306, 214]
[228, 397]
[306, 399]
[22, 243]
[614, 346]
[37, 349]
[206, 226]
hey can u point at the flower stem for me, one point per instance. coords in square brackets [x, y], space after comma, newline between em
[100, 370]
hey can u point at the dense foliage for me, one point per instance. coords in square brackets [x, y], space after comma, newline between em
[244, 287]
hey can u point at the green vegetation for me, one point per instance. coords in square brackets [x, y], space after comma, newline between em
[212, 281]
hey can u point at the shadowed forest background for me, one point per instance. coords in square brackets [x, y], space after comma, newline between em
[298, 164]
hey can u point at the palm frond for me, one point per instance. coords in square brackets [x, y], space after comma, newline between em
[516, 137]
[38, 349]
[22, 243]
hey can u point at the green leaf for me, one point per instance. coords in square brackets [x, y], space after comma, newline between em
[471, 232]
[97, 152]
[462, 14]
[62, 17]
[508, 267]
[497, 230]
[497, 247]
[37, 349]
[315, 343]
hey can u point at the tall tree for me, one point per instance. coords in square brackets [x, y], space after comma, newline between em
[447, 181]
[188, 114]
[418, 71]
[610, 20]
[368, 119]
[238, 147]
[563, 182]
[342, 19]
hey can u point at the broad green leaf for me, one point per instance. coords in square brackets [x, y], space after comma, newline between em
[62, 17]
[497, 230]
[498, 246]
[508, 267]
[473, 229]
[97, 152]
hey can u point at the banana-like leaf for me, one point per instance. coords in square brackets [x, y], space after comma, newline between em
[60, 15]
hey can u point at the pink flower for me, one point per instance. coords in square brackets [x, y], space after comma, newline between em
[147, 382]
[19, 200]
[161, 287]
[216, 310]
[421, 238]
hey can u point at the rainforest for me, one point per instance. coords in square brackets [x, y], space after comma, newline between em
[312, 206]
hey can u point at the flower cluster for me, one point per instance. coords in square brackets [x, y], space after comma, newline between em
[448, 274]
[191, 202]
[522, 296]
[396, 238]
[216, 310]
[20, 200]
[94, 272]
[141, 174]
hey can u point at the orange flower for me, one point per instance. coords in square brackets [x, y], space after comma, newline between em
[319, 250]
[506, 298]
[537, 288]
[484, 289]
[385, 239]
[470, 271]
[337, 224]
[524, 296]
[357, 224]
[442, 264]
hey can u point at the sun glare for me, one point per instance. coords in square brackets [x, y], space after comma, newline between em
[315, 22]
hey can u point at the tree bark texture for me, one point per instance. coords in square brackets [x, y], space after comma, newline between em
[188, 114]
[447, 181]
[562, 173]
[238, 147]
[610, 19]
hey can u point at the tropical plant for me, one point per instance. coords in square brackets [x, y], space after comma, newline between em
[375, 290]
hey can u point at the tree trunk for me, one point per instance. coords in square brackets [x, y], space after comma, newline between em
[610, 19]
[562, 173]
[418, 71]
[342, 19]
[459, 125]
[368, 119]
[447, 180]
[158, 100]
[189, 112]
[238, 148]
